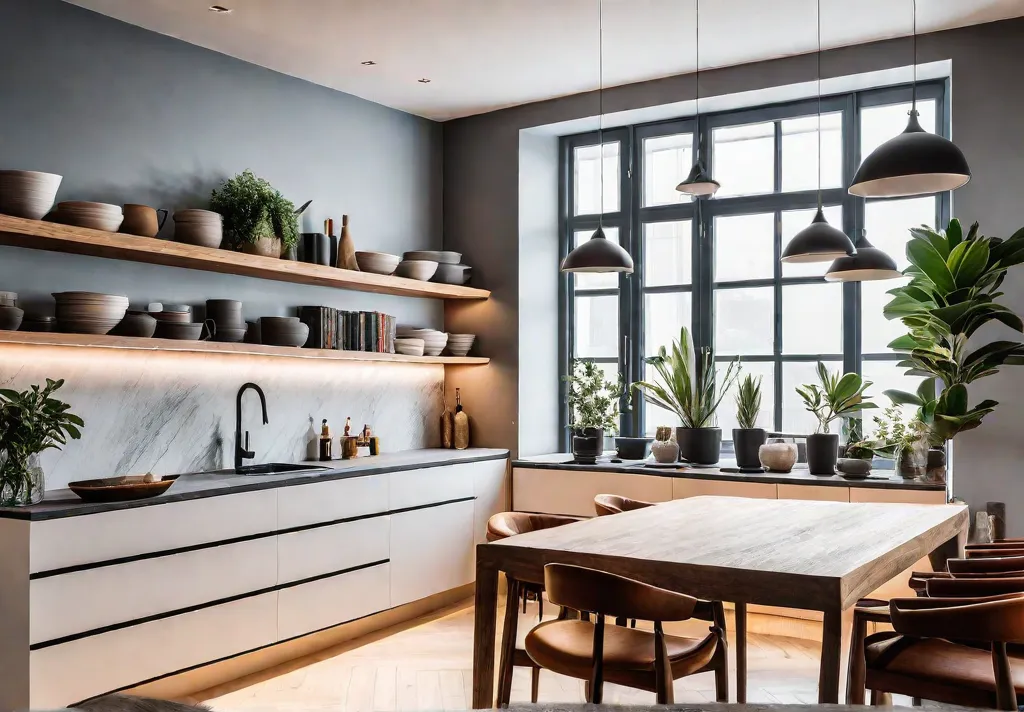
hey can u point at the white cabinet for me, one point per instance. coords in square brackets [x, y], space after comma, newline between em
[301, 505]
[573, 491]
[415, 488]
[313, 552]
[329, 601]
[431, 551]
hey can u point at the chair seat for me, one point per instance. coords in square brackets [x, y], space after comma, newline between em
[568, 646]
[938, 661]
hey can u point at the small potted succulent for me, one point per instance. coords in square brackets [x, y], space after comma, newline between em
[835, 397]
[593, 408]
[257, 218]
[691, 394]
[748, 438]
[858, 453]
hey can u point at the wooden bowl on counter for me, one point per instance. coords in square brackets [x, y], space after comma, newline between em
[121, 489]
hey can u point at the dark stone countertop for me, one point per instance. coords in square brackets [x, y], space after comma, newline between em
[65, 503]
[885, 479]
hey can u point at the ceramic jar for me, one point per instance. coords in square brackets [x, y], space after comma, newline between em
[664, 448]
[778, 456]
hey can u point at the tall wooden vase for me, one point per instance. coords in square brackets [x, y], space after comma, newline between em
[346, 248]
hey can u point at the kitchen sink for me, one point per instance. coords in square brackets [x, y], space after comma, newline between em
[275, 468]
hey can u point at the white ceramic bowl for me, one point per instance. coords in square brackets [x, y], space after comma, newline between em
[452, 274]
[28, 194]
[377, 262]
[422, 270]
[409, 347]
[8, 299]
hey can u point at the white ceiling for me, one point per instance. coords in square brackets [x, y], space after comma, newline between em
[482, 55]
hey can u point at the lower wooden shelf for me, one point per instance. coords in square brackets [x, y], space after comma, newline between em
[26, 338]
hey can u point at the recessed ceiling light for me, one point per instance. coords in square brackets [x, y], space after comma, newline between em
[368, 63]
[220, 9]
[423, 81]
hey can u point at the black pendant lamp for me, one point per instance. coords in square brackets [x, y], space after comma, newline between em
[819, 241]
[599, 254]
[915, 162]
[868, 265]
[699, 183]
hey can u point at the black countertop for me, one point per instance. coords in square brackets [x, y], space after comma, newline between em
[65, 503]
[878, 480]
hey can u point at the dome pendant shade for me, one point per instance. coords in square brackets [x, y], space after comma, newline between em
[699, 183]
[598, 254]
[914, 163]
[818, 242]
[868, 265]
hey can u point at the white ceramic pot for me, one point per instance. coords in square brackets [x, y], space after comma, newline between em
[665, 451]
[778, 457]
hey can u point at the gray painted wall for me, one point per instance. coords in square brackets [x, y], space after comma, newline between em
[481, 165]
[127, 115]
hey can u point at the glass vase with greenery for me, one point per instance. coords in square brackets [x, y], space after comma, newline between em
[905, 442]
[593, 403]
[834, 397]
[31, 422]
[254, 213]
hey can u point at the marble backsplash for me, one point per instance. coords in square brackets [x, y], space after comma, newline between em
[174, 412]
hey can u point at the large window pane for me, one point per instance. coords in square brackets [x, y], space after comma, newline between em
[595, 280]
[812, 319]
[795, 417]
[744, 159]
[884, 376]
[667, 162]
[744, 247]
[888, 224]
[800, 152]
[744, 321]
[653, 415]
[878, 124]
[587, 179]
[664, 316]
[668, 254]
[793, 221]
[727, 410]
[597, 327]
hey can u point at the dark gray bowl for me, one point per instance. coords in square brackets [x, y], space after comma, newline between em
[633, 448]
[10, 318]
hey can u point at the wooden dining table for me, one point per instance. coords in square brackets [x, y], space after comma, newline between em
[820, 556]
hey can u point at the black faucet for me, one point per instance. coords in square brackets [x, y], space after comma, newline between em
[243, 453]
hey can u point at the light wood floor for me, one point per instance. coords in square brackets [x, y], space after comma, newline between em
[427, 664]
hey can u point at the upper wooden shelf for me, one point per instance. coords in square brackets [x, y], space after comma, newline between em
[40, 235]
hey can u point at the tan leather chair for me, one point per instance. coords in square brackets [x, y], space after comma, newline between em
[502, 526]
[606, 504]
[641, 659]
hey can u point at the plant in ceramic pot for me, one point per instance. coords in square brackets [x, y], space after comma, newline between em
[953, 291]
[834, 398]
[257, 218]
[30, 422]
[664, 447]
[748, 438]
[690, 390]
[593, 407]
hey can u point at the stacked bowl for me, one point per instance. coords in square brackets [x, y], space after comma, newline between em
[449, 270]
[204, 228]
[377, 262]
[452, 274]
[88, 312]
[460, 344]
[433, 341]
[409, 346]
[443, 257]
[97, 216]
[283, 331]
[27, 194]
[422, 270]
[10, 318]
[226, 315]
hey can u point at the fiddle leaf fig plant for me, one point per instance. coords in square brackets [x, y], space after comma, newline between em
[836, 396]
[593, 401]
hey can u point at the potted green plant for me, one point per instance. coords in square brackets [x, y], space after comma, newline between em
[748, 438]
[906, 443]
[834, 398]
[593, 408]
[952, 293]
[30, 422]
[257, 218]
[692, 394]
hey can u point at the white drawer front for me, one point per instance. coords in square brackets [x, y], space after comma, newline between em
[90, 538]
[431, 551]
[67, 673]
[573, 492]
[326, 501]
[320, 604]
[85, 600]
[313, 552]
[413, 488]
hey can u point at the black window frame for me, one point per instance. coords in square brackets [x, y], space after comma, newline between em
[633, 216]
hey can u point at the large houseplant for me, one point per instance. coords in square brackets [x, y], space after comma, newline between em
[952, 293]
[834, 397]
[30, 422]
[691, 393]
[257, 218]
[748, 438]
[593, 407]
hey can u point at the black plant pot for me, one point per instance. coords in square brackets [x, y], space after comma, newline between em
[822, 453]
[587, 444]
[701, 446]
[747, 442]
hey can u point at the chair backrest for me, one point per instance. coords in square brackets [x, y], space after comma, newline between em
[616, 504]
[994, 564]
[505, 524]
[973, 587]
[988, 552]
[999, 619]
[594, 591]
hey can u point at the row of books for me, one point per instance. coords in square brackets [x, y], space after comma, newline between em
[331, 328]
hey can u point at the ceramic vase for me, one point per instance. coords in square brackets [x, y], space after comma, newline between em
[664, 448]
[822, 453]
[778, 456]
[266, 246]
[747, 443]
[699, 446]
[587, 443]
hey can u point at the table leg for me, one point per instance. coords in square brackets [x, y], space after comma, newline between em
[831, 654]
[486, 608]
[741, 652]
[952, 549]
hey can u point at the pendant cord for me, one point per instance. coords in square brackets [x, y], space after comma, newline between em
[697, 80]
[818, 18]
[913, 102]
[600, 112]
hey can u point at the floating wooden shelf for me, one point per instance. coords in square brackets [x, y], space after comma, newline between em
[40, 235]
[27, 338]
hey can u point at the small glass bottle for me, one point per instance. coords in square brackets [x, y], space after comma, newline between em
[325, 442]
